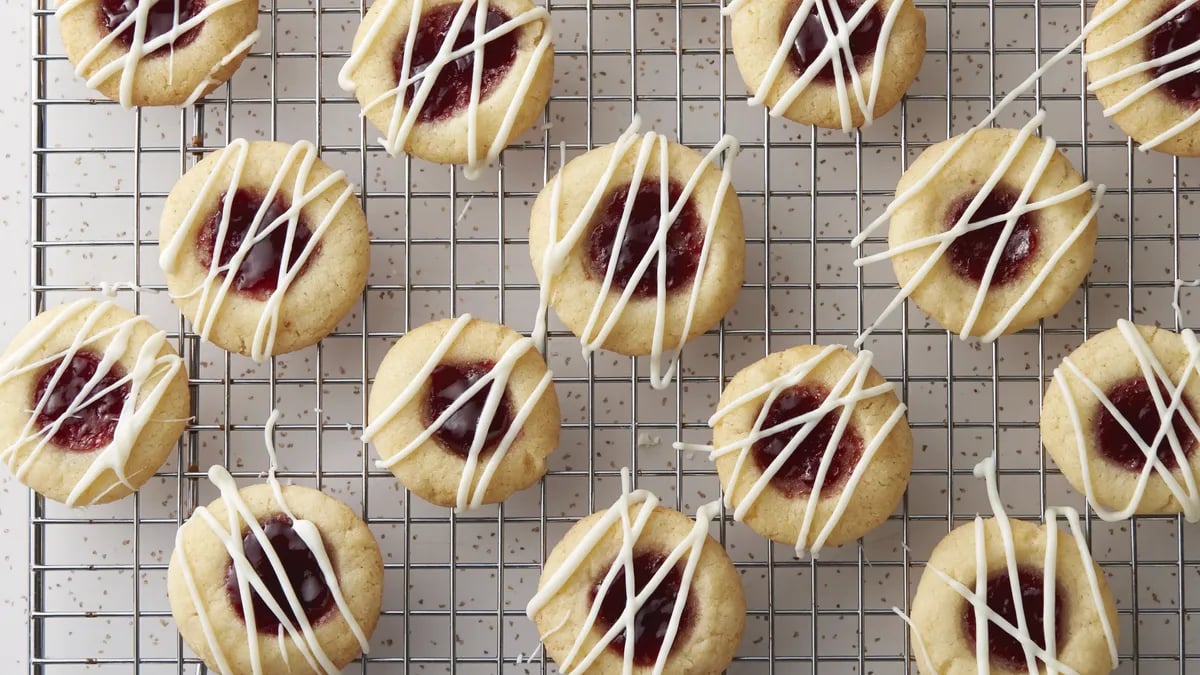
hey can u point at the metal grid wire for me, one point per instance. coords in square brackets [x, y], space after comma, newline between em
[456, 585]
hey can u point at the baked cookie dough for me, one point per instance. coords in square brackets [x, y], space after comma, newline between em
[611, 300]
[274, 268]
[1044, 258]
[588, 568]
[887, 40]
[94, 399]
[157, 52]
[1154, 105]
[944, 622]
[866, 474]
[1089, 436]
[457, 450]
[331, 580]
[445, 115]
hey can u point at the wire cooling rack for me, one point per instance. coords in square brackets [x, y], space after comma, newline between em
[456, 585]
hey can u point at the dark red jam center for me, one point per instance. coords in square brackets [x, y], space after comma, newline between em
[812, 38]
[451, 92]
[652, 620]
[258, 274]
[1176, 34]
[162, 17]
[799, 471]
[1004, 648]
[91, 427]
[303, 574]
[446, 384]
[685, 239]
[1133, 400]
[970, 253]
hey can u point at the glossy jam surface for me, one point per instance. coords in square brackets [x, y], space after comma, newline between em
[162, 17]
[685, 239]
[812, 38]
[970, 253]
[91, 427]
[451, 92]
[1177, 33]
[1005, 649]
[303, 574]
[258, 274]
[799, 472]
[446, 384]
[650, 624]
[1133, 399]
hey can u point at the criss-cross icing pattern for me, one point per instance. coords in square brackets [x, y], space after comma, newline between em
[620, 514]
[1163, 69]
[219, 280]
[846, 394]
[559, 248]
[1171, 407]
[838, 32]
[136, 23]
[497, 381]
[294, 624]
[148, 381]
[1037, 658]
[938, 244]
[404, 118]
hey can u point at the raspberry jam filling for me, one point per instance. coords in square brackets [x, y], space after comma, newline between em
[799, 472]
[1178, 33]
[970, 253]
[451, 92]
[812, 38]
[652, 620]
[303, 574]
[685, 239]
[446, 384]
[90, 427]
[258, 274]
[1005, 649]
[1133, 400]
[160, 19]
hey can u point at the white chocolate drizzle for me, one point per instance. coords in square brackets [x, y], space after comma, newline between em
[838, 30]
[211, 80]
[1152, 370]
[557, 250]
[127, 64]
[239, 517]
[301, 158]
[403, 120]
[620, 514]
[497, 377]
[137, 410]
[1038, 660]
[940, 243]
[846, 394]
[1180, 69]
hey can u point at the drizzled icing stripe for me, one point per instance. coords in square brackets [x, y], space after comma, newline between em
[557, 251]
[1182, 69]
[498, 376]
[301, 158]
[300, 631]
[632, 528]
[838, 31]
[942, 241]
[847, 393]
[1152, 370]
[1035, 656]
[211, 80]
[136, 412]
[403, 120]
[138, 20]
